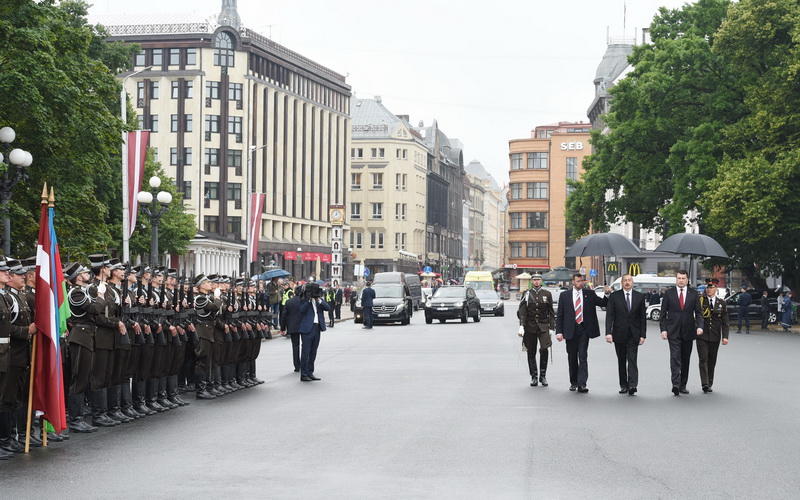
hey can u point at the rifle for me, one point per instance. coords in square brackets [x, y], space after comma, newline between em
[236, 314]
[190, 311]
[159, 312]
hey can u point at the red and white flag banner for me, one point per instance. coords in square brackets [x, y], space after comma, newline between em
[257, 201]
[137, 150]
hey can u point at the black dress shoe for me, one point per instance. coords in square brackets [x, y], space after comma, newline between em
[153, 405]
[297, 370]
[104, 420]
[6, 455]
[573, 387]
[705, 388]
[623, 390]
[56, 438]
[583, 389]
[632, 391]
[312, 377]
[144, 410]
[118, 415]
[543, 380]
[306, 379]
[204, 394]
[683, 390]
[534, 381]
[11, 446]
[676, 391]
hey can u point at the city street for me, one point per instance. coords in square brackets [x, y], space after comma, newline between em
[445, 411]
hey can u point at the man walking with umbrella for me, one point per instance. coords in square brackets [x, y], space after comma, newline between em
[681, 322]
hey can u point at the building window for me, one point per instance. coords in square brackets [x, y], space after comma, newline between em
[139, 94]
[187, 156]
[355, 181]
[191, 57]
[357, 153]
[377, 210]
[400, 211]
[538, 160]
[536, 250]
[154, 123]
[376, 240]
[516, 191]
[153, 90]
[234, 158]
[399, 241]
[212, 90]
[187, 123]
[516, 220]
[516, 249]
[173, 156]
[174, 57]
[187, 190]
[140, 58]
[223, 49]
[235, 92]
[516, 161]
[355, 211]
[175, 89]
[212, 157]
[212, 124]
[537, 220]
[572, 168]
[235, 127]
[537, 190]
[173, 123]
[158, 57]
[377, 180]
[378, 152]
[400, 181]
[211, 224]
[356, 239]
[140, 122]
[189, 86]
[235, 193]
[211, 191]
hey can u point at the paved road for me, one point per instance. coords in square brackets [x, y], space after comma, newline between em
[445, 411]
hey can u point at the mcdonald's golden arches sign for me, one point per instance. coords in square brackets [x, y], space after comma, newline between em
[634, 269]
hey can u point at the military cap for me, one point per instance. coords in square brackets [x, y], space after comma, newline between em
[158, 271]
[73, 270]
[3, 264]
[200, 278]
[712, 282]
[212, 277]
[15, 266]
[29, 264]
[114, 264]
[536, 276]
[97, 260]
[172, 273]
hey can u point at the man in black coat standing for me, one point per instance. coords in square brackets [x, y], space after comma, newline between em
[765, 310]
[681, 322]
[367, 298]
[626, 327]
[576, 321]
[291, 317]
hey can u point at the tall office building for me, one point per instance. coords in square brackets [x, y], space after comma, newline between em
[232, 112]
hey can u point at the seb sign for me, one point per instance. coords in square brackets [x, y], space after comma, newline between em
[571, 146]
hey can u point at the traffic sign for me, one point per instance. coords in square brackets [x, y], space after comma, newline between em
[427, 269]
[366, 272]
[592, 272]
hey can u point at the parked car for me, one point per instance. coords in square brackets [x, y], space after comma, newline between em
[753, 311]
[393, 303]
[415, 287]
[491, 303]
[453, 302]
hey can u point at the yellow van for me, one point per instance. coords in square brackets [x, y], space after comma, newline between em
[479, 280]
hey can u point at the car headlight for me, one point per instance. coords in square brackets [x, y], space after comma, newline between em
[427, 303]
[499, 303]
[458, 304]
[399, 307]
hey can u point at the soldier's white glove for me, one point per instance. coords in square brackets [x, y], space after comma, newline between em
[101, 288]
[521, 331]
[217, 292]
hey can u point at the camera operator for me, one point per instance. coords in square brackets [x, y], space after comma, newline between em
[290, 323]
[312, 322]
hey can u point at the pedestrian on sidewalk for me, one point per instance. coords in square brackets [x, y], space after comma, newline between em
[274, 290]
[765, 310]
[745, 299]
[367, 297]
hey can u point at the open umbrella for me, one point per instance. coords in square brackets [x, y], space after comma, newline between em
[523, 276]
[558, 274]
[602, 244]
[274, 273]
[692, 244]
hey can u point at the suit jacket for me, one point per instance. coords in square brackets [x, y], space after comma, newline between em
[621, 324]
[679, 323]
[306, 312]
[715, 321]
[291, 312]
[565, 317]
[367, 296]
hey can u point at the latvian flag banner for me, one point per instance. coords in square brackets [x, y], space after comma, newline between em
[137, 150]
[52, 312]
[257, 201]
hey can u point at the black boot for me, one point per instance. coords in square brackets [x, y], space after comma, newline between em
[8, 441]
[100, 408]
[202, 391]
[534, 379]
[114, 405]
[76, 421]
[139, 402]
[126, 401]
[173, 395]
[543, 355]
[152, 396]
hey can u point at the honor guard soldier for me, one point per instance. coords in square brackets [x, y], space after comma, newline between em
[146, 319]
[206, 307]
[715, 329]
[136, 336]
[536, 319]
[82, 326]
[176, 341]
[122, 343]
[6, 451]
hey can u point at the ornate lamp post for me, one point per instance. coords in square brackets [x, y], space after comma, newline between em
[149, 202]
[13, 164]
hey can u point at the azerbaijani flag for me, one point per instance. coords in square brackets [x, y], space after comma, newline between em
[48, 382]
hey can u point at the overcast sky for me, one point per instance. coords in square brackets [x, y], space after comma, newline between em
[487, 71]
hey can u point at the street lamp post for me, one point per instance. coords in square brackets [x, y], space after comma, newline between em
[13, 173]
[149, 202]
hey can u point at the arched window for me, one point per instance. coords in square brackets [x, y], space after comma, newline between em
[223, 49]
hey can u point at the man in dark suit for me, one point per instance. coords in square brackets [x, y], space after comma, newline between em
[367, 298]
[291, 320]
[576, 321]
[626, 327]
[681, 322]
[715, 328]
[312, 324]
[765, 310]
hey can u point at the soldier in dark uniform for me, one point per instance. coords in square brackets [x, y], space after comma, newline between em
[8, 444]
[122, 343]
[206, 307]
[177, 339]
[222, 336]
[131, 307]
[13, 393]
[715, 321]
[536, 319]
[82, 327]
[186, 374]
[144, 368]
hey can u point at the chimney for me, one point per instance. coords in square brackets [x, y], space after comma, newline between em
[378, 99]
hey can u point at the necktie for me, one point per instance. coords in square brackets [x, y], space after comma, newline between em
[680, 299]
[578, 310]
[628, 300]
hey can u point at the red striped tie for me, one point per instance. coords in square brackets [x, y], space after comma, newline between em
[578, 310]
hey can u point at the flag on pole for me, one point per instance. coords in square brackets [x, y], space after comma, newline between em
[137, 151]
[257, 201]
[48, 380]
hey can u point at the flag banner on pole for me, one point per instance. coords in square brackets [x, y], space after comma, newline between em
[257, 201]
[48, 380]
[137, 150]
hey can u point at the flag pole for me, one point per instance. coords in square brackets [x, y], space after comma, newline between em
[51, 203]
[33, 368]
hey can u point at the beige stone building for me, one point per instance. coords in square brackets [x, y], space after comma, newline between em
[233, 112]
[539, 169]
[486, 225]
[387, 204]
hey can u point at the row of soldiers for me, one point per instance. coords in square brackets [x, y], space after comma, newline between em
[139, 337]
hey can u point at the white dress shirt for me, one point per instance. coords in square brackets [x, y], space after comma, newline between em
[316, 316]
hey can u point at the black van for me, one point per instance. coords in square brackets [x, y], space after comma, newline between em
[415, 287]
[393, 301]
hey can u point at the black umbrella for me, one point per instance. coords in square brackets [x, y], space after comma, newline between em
[558, 274]
[692, 244]
[602, 244]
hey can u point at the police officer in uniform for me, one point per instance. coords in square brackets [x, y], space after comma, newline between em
[715, 321]
[536, 319]
[206, 307]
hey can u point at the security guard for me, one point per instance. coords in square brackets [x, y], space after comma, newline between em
[715, 320]
[536, 319]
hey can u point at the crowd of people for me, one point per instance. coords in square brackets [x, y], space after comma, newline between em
[138, 338]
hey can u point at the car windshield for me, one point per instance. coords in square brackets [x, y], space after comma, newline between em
[487, 294]
[480, 285]
[389, 291]
[449, 293]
